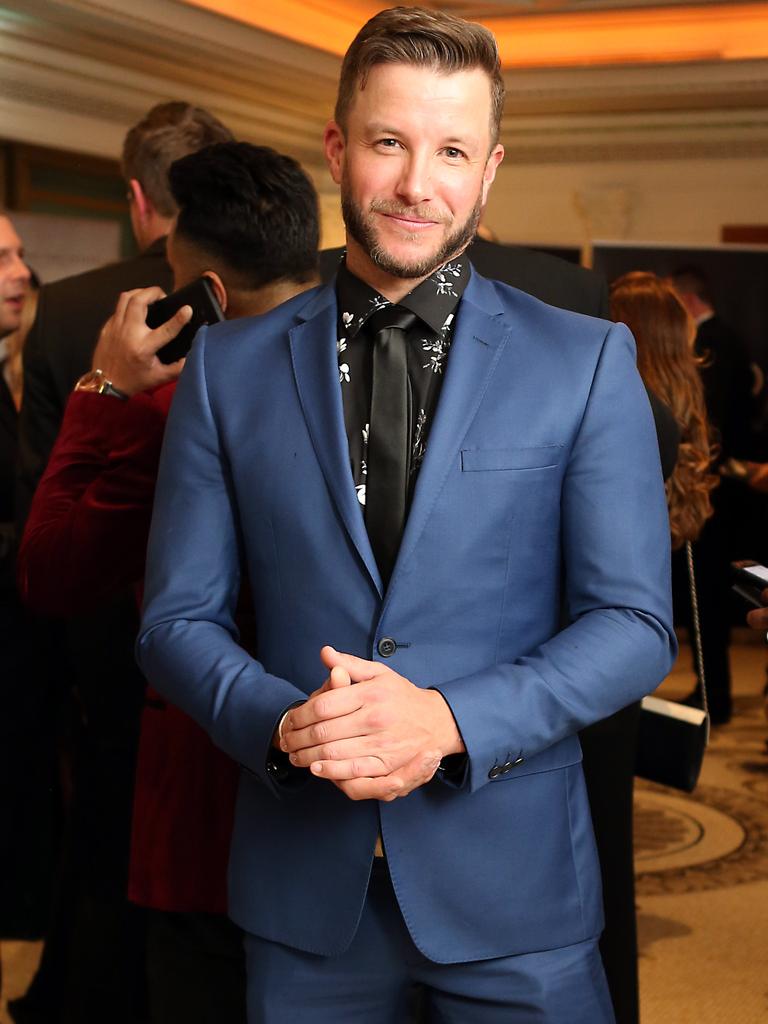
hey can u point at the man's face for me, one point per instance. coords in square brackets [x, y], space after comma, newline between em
[415, 166]
[14, 278]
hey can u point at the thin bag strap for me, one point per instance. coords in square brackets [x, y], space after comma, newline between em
[698, 652]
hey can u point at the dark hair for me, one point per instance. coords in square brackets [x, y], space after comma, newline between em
[691, 280]
[167, 132]
[427, 38]
[664, 333]
[250, 208]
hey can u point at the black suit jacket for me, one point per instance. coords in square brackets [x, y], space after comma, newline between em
[70, 314]
[727, 379]
[559, 283]
[96, 652]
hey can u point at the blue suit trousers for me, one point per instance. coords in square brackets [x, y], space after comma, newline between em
[382, 977]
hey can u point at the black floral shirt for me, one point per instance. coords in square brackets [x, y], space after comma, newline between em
[434, 301]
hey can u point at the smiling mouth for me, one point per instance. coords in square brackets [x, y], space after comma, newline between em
[414, 223]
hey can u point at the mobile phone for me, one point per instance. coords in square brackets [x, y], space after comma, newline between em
[750, 580]
[205, 310]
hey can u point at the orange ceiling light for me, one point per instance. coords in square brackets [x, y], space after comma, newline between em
[637, 35]
[329, 25]
[640, 35]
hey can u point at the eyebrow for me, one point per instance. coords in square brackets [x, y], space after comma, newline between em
[453, 140]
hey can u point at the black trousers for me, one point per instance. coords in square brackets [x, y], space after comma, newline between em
[195, 969]
[609, 765]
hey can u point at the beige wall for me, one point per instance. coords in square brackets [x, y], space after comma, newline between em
[683, 201]
[665, 201]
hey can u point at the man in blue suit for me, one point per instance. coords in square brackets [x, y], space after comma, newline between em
[447, 500]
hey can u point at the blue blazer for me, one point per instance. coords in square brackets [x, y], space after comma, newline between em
[540, 502]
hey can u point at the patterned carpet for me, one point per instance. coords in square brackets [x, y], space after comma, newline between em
[702, 870]
[702, 864]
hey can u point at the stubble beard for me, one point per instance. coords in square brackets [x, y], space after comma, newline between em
[360, 226]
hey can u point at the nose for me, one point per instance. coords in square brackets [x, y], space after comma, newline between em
[415, 184]
[21, 271]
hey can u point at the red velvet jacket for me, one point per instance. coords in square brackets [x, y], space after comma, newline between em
[85, 539]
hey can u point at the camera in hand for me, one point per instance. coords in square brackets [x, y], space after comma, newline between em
[205, 310]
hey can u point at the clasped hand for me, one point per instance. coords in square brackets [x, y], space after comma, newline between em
[377, 740]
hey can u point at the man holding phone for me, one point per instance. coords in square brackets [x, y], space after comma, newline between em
[248, 230]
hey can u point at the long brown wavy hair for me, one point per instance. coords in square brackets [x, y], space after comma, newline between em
[665, 333]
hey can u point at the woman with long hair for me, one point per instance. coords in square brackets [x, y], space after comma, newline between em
[669, 368]
[666, 360]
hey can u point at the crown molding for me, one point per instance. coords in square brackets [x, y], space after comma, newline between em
[76, 74]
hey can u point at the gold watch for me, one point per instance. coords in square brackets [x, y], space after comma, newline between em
[95, 381]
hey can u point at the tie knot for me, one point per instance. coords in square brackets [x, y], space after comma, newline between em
[389, 317]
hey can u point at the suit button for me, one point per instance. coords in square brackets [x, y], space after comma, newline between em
[517, 761]
[495, 772]
[506, 767]
[386, 647]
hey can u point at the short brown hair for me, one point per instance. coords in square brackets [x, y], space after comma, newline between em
[168, 132]
[415, 35]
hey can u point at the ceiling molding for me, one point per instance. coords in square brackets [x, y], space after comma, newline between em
[76, 74]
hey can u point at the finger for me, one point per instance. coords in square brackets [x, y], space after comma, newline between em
[167, 332]
[164, 373]
[329, 740]
[416, 773]
[331, 704]
[367, 767]
[386, 788]
[118, 316]
[339, 677]
[758, 618]
[358, 668]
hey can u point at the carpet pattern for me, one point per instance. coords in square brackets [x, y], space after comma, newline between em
[702, 869]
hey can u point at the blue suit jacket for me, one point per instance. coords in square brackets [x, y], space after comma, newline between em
[540, 491]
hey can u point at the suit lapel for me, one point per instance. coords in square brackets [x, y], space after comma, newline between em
[480, 333]
[316, 369]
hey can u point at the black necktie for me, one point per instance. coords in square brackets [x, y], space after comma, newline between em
[389, 437]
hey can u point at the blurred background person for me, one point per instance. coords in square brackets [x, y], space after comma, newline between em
[666, 361]
[668, 364]
[727, 377]
[27, 764]
[92, 967]
[248, 221]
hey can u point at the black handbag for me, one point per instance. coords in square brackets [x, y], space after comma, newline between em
[672, 737]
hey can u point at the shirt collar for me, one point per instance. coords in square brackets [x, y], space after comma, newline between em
[434, 301]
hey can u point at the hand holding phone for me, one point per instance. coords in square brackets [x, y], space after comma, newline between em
[200, 296]
[126, 350]
[751, 583]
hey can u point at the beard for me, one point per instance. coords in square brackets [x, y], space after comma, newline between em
[360, 226]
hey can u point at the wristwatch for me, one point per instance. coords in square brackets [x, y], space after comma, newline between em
[95, 381]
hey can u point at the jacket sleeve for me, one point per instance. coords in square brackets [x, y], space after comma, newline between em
[188, 642]
[620, 642]
[86, 533]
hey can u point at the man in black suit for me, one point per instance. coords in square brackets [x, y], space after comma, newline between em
[92, 965]
[608, 746]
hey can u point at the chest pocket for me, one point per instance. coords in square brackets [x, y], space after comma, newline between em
[483, 460]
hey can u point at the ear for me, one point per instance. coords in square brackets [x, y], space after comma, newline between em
[334, 145]
[218, 288]
[491, 164]
[141, 202]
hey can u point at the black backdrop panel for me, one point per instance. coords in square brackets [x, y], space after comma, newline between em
[738, 277]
